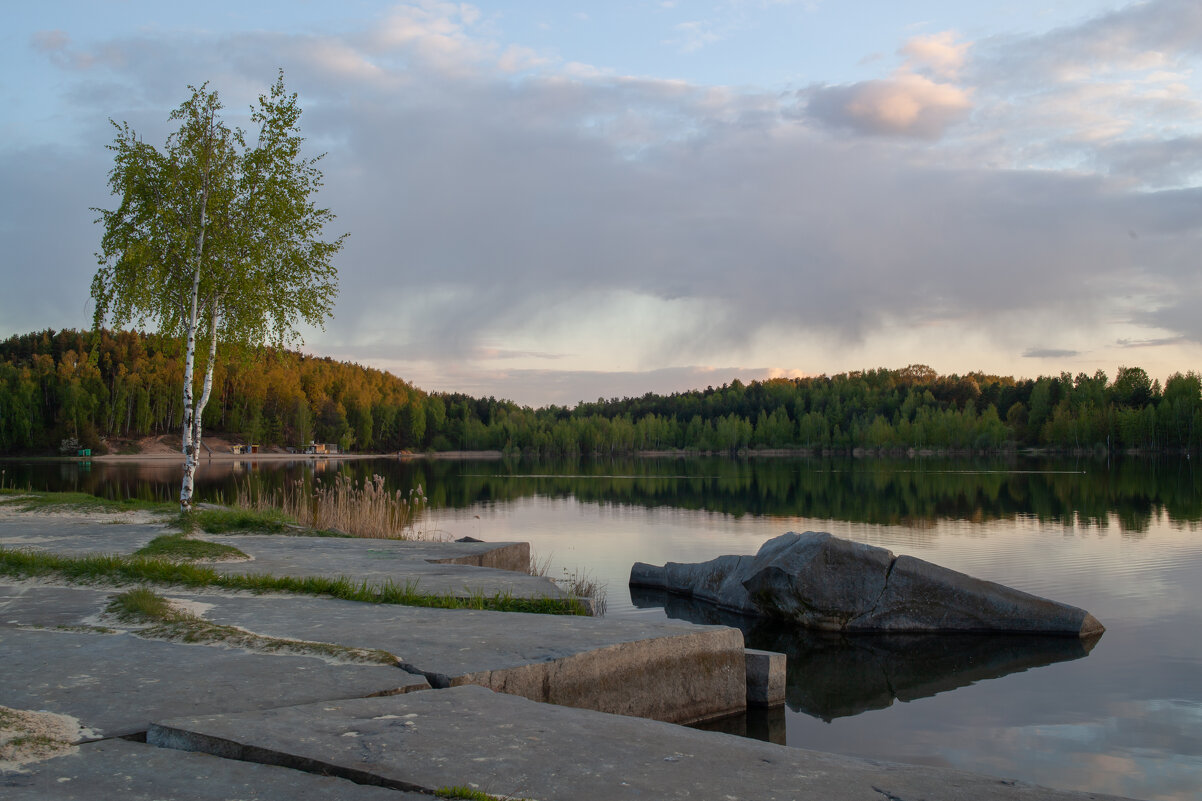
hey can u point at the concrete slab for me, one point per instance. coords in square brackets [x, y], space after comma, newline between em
[461, 569]
[665, 670]
[115, 684]
[506, 745]
[118, 769]
[384, 560]
[32, 603]
[72, 535]
[765, 677]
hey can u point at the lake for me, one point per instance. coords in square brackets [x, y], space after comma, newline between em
[1119, 538]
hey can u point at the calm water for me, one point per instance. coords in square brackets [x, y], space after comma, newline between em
[1120, 539]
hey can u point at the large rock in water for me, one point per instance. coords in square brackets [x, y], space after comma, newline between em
[822, 582]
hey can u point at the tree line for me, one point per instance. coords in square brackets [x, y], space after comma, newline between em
[79, 386]
[93, 386]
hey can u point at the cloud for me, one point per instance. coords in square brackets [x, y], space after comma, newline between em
[695, 35]
[904, 105]
[506, 209]
[51, 41]
[1050, 353]
[939, 53]
[1150, 343]
[1060, 97]
[1138, 36]
[1152, 162]
[566, 387]
[916, 101]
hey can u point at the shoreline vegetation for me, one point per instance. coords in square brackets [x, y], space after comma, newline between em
[682, 453]
[170, 560]
[111, 394]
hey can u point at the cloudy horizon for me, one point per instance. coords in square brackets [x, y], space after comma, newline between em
[552, 204]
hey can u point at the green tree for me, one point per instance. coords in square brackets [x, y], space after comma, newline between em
[216, 238]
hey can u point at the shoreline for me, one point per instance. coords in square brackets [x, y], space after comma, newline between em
[496, 455]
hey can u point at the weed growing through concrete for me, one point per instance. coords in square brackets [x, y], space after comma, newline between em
[180, 547]
[111, 568]
[164, 621]
[582, 584]
[141, 604]
[466, 793]
[578, 583]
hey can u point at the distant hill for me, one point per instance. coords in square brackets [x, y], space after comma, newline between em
[126, 385]
[112, 388]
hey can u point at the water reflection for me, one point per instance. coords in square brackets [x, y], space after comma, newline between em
[914, 494]
[833, 676]
[1121, 539]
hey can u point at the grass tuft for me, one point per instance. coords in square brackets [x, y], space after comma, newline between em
[179, 546]
[579, 584]
[466, 793]
[141, 605]
[222, 521]
[165, 622]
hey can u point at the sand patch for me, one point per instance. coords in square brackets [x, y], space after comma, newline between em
[27, 737]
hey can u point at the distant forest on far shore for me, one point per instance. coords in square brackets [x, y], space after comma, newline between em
[116, 386]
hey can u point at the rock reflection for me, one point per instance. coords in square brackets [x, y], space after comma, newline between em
[832, 675]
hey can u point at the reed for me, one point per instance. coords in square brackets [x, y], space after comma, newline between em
[369, 510]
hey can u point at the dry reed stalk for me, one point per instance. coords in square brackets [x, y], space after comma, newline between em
[367, 511]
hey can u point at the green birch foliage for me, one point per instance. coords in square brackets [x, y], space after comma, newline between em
[209, 211]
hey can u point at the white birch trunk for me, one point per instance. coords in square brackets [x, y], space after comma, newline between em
[189, 445]
[198, 414]
[191, 423]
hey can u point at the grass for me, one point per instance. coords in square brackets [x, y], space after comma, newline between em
[360, 511]
[223, 521]
[108, 568]
[578, 583]
[140, 605]
[82, 502]
[268, 520]
[470, 794]
[166, 622]
[179, 546]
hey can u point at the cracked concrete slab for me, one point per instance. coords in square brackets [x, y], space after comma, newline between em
[385, 560]
[72, 535]
[666, 670]
[509, 746]
[115, 684]
[138, 772]
[461, 569]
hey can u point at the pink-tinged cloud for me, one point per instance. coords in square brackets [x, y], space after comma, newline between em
[906, 104]
[939, 54]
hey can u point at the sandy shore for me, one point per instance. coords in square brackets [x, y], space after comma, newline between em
[226, 456]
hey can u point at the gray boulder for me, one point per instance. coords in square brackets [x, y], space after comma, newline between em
[822, 582]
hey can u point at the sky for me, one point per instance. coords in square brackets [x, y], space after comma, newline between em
[563, 200]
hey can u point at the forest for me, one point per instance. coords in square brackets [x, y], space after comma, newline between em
[104, 389]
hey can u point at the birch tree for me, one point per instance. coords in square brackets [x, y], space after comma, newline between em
[216, 239]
